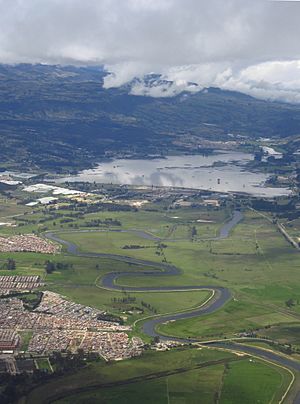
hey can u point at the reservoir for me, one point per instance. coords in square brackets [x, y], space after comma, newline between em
[222, 172]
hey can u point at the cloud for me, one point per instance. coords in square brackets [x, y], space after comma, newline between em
[275, 80]
[250, 45]
[278, 80]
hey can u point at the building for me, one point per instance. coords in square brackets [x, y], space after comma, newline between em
[9, 340]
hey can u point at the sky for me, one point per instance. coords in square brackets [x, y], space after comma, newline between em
[250, 46]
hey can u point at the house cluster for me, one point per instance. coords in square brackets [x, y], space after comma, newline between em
[43, 342]
[27, 242]
[14, 315]
[112, 346]
[53, 303]
[9, 340]
[18, 283]
[109, 345]
[74, 315]
[60, 325]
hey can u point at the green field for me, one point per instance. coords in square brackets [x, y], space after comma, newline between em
[229, 384]
[25, 338]
[256, 263]
[252, 381]
[43, 364]
[191, 375]
[226, 322]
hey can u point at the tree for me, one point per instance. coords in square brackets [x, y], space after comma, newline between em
[193, 232]
[156, 339]
[11, 264]
[290, 303]
[49, 267]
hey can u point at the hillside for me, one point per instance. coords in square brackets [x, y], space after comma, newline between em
[61, 118]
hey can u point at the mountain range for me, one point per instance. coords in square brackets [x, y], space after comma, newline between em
[61, 118]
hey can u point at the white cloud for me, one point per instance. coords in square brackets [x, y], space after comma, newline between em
[250, 45]
[276, 80]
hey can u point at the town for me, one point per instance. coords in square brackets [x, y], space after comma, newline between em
[19, 283]
[27, 242]
[57, 324]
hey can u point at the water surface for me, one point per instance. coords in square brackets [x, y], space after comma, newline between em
[222, 172]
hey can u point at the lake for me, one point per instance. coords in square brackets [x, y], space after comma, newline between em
[222, 172]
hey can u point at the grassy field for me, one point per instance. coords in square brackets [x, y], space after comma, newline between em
[9, 208]
[43, 364]
[166, 224]
[151, 365]
[187, 388]
[25, 338]
[285, 333]
[228, 384]
[191, 374]
[256, 263]
[114, 242]
[228, 322]
[161, 302]
[252, 381]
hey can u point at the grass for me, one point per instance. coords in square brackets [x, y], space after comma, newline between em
[236, 262]
[227, 382]
[180, 388]
[147, 392]
[78, 283]
[162, 303]
[251, 381]
[25, 339]
[234, 318]
[150, 363]
[255, 263]
[9, 207]
[284, 333]
[43, 364]
[248, 271]
[169, 224]
[114, 243]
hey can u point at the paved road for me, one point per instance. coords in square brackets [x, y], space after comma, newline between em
[220, 297]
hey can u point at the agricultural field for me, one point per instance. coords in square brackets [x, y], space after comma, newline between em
[205, 385]
[9, 208]
[183, 375]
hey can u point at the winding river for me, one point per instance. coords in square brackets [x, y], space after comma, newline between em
[220, 295]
